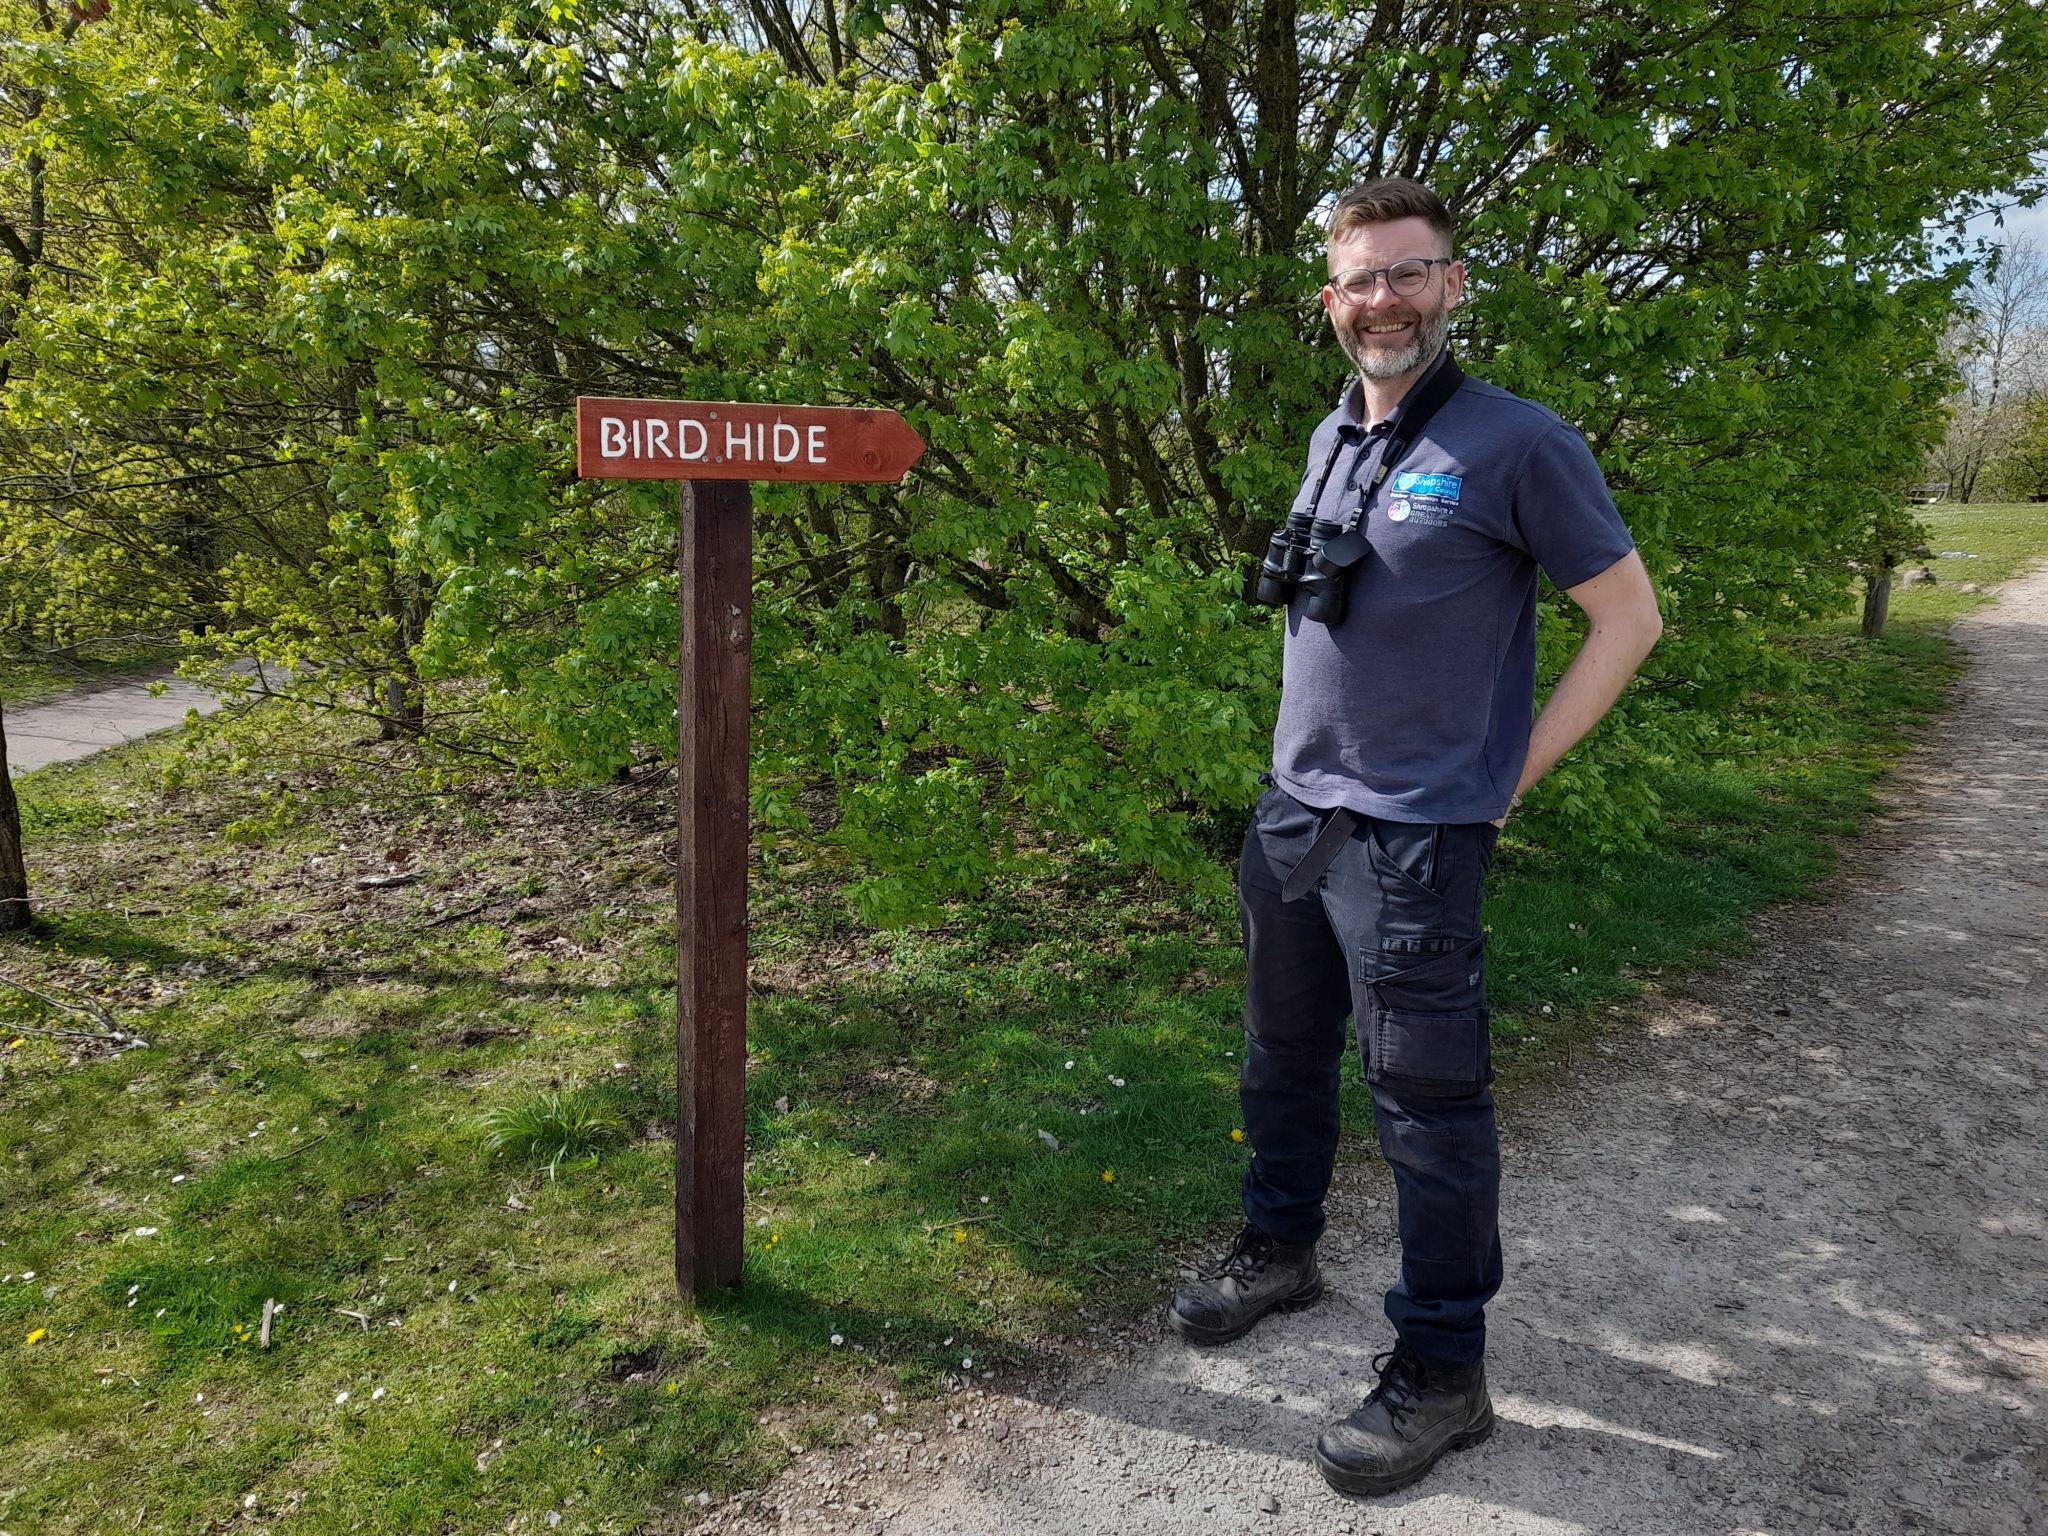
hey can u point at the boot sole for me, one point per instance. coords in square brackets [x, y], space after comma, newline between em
[1196, 1333]
[1346, 1481]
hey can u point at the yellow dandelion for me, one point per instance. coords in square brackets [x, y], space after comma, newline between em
[14, 1044]
[36, 1335]
[674, 1388]
[597, 1450]
[1236, 1134]
[959, 1234]
[1109, 1175]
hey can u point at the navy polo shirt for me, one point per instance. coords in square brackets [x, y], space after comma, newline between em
[1417, 707]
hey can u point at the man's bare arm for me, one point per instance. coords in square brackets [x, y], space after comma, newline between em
[1622, 608]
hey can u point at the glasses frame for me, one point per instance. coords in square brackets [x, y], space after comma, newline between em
[1378, 274]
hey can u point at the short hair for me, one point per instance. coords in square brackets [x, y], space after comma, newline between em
[1383, 199]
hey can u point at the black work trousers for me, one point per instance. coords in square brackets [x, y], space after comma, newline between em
[1390, 937]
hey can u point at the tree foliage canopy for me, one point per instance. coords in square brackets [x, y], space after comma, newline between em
[317, 283]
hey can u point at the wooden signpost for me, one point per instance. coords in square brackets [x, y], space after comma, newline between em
[715, 448]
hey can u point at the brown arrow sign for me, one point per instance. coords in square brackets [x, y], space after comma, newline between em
[722, 440]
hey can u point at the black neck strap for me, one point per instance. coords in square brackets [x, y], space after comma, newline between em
[1436, 387]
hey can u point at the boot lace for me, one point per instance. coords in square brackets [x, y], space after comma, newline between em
[1402, 1380]
[1249, 1254]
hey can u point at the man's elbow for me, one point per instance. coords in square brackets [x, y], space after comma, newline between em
[1631, 631]
[1649, 629]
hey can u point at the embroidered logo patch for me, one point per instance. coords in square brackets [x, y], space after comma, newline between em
[1431, 500]
[1439, 487]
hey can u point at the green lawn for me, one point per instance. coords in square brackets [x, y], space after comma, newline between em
[1970, 545]
[463, 1339]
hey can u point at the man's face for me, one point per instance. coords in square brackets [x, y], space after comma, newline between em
[1390, 335]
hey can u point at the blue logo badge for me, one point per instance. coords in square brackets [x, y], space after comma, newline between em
[1442, 487]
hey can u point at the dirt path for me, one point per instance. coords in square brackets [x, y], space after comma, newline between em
[1777, 1264]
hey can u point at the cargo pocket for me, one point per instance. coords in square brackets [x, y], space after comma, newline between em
[1426, 1031]
[1430, 1055]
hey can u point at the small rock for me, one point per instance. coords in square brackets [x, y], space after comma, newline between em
[1915, 575]
[999, 1430]
[1268, 1505]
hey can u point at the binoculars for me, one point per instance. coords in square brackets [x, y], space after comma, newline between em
[1314, 557]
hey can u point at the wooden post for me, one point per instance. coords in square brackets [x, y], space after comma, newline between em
[715, 447]
[715, 594]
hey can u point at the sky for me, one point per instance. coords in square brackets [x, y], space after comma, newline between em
[2029, 221]
[2032, 221]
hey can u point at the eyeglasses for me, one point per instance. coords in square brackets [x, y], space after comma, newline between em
[1356, 284]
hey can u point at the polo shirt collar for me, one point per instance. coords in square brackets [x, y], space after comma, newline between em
[1354, 401]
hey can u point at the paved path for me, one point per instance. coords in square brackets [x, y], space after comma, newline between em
[1777, 1262]
[74, 725]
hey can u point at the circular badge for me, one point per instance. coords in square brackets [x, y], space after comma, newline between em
[1397, 510]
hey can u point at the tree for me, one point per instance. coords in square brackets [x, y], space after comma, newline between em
[1895, 532]
[1996, 345]
[2027, 467]
[15, 911]
[367, 254]
[25, 231]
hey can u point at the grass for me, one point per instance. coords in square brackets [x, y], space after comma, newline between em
[464, 1340]
[551, 1129]
[1979, 545]
[30, 679]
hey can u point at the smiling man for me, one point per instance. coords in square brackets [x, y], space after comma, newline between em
[1409, 568]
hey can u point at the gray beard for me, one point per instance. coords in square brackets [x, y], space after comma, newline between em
[1432, 330]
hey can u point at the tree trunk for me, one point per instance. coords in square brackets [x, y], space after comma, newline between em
[405, 700]
[14, 907]
[1877, 602]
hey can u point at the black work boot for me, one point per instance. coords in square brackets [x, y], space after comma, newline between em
[1257, 1276]
[1412, 1417]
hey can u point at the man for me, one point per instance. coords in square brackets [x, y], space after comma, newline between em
[1403, 742]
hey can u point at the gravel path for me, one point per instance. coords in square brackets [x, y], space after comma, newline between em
[1777, 1260]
